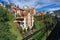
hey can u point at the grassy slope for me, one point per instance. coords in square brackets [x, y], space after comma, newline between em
[39, 36]
[13, 29]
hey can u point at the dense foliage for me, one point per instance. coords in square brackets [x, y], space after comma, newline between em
[5, 33]
[43, 23]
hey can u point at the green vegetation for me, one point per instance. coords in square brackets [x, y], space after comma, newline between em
[28, 29]
[24, 30]
[44, 23]
[5, 33]
[39, 36]
[14, 30]
[8, 31]
[39, 25]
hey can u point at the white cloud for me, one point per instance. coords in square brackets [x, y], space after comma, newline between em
[53, 9]
[40, 6]
[21, 3]
[34, 3]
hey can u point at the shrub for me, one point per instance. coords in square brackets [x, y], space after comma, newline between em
[28, 28]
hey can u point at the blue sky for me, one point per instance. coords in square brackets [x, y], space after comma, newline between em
[40, 5]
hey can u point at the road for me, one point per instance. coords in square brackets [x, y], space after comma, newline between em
[55, 34]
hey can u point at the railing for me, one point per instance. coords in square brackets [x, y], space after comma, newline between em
[19, 17]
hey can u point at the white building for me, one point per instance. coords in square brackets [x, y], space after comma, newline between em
[24, 16]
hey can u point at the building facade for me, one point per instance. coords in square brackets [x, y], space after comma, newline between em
[24, 16]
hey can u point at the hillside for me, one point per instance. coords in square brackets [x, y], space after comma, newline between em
[8, 30]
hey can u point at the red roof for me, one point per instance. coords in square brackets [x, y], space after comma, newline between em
[25, 12]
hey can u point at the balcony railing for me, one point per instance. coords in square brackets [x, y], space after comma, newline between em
[19, 18]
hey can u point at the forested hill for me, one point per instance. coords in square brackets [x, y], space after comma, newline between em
[57, 12]
[7, 28]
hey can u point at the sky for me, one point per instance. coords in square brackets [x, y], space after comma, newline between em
[39, 5]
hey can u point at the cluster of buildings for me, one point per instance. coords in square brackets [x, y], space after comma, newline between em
[24, 16]
[40, 13]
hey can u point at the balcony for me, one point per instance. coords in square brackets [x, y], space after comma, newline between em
[18, 18]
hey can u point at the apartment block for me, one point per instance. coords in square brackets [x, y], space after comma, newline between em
[24, 16]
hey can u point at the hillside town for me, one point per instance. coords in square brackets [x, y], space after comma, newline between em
[24, 16]
[26, 23]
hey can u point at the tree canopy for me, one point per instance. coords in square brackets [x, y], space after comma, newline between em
[5, 33]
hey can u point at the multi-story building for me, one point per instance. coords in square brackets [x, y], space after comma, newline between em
[25, 16]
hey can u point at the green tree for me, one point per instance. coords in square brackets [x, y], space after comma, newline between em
[24, 30]
[8, 6]
[47, 20]
[5, 33]
[28, 28]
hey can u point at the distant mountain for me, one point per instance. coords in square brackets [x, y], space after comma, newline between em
[57, 11]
